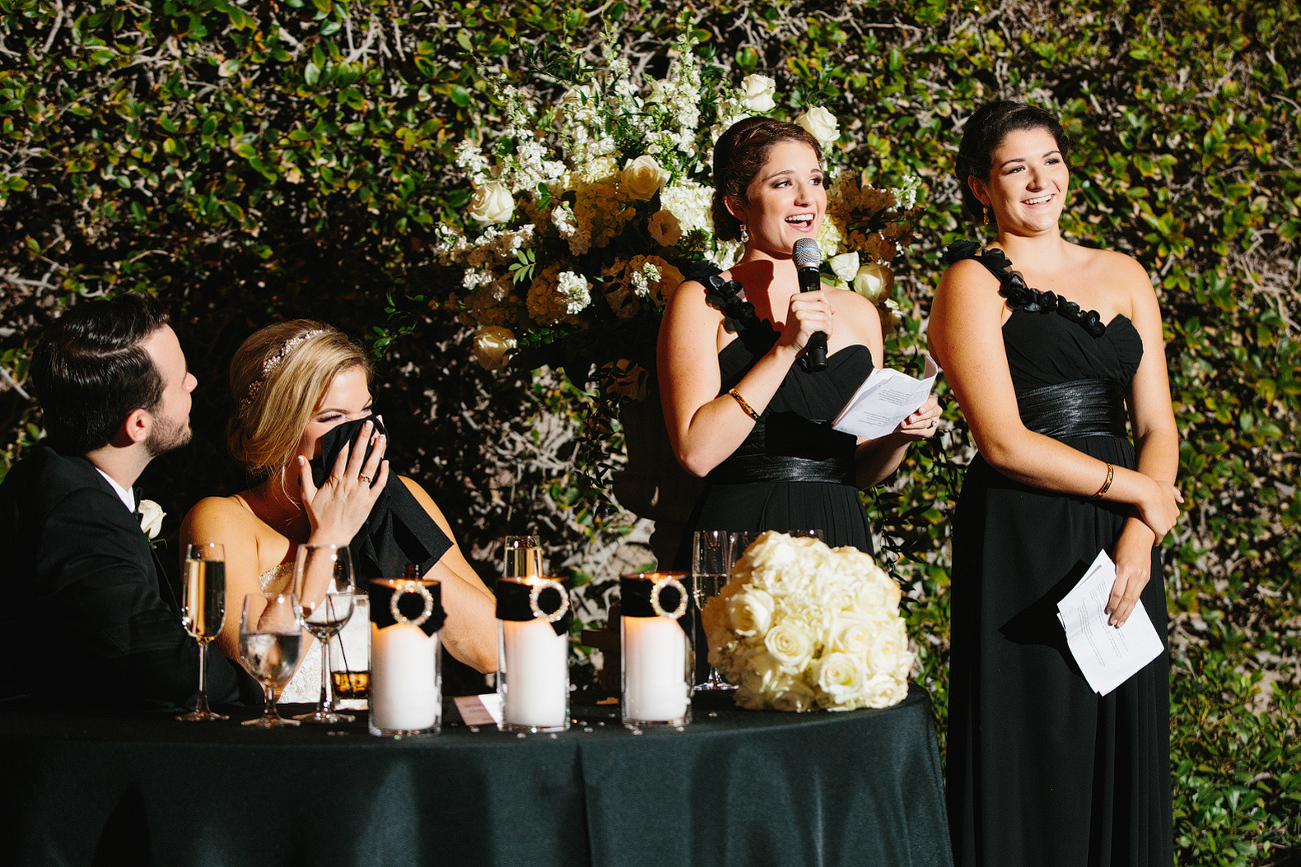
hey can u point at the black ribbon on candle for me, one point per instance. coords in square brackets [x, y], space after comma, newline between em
[640, 593]
[541, 599]
[403, 600]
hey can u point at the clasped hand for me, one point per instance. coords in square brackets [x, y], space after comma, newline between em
[340, 506]
[1159, 509]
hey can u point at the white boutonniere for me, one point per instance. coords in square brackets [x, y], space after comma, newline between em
[151, 519]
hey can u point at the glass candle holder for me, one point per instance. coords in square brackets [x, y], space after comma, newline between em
[406, 683]
[533, 619]
[656, 649]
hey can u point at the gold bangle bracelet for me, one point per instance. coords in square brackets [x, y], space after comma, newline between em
[749, 410]
[1111, 474]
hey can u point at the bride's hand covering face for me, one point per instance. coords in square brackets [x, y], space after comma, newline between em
[339, 507]
[294, 382]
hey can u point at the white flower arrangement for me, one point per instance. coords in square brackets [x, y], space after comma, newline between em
[586, 211]
[801, 626]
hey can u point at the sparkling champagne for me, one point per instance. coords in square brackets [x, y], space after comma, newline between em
[704, 587]
[351, 684]
[271, 657]
[204, 605]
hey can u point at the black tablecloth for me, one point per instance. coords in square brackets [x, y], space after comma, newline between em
[735, 787]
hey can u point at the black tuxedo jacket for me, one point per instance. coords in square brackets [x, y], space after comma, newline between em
[86, 617]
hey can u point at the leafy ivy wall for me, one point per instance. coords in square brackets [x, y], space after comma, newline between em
[258, 161]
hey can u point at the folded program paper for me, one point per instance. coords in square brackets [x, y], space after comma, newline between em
[885, 398]
[1107, 656]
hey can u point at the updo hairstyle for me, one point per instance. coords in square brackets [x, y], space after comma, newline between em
[986, 130]
[278, 376]
[738, 158]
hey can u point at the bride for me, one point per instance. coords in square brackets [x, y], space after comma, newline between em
[295, 382]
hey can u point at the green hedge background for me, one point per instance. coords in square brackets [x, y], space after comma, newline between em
[249, 162]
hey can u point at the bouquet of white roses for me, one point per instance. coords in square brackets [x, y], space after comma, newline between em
[587, 211]
[800, 625]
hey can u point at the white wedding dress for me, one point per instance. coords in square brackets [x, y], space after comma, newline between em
[305, 687]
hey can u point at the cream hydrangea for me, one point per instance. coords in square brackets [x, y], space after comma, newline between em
[800, 625]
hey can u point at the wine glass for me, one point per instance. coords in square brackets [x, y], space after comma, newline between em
[324, 584]
[203, 608]
[710, 560]
[271, 646]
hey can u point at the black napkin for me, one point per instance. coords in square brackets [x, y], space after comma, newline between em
[399, 531]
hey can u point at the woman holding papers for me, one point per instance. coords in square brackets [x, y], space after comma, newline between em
[740, 407]
[1042, 769]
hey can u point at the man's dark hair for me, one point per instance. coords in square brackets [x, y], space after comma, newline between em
[90, 372]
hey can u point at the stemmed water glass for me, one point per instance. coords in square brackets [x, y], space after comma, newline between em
[271, 646]
[710, 560]
[203, 608]
[323, 581]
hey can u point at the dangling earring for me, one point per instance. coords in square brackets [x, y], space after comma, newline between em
[745, 234]
[984, 210]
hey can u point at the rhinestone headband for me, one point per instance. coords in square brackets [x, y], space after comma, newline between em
[271, 363]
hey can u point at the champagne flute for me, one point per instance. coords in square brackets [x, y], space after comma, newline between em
[271, 646]
[203, 609]
[324, 584]
[710, 560]
[523, 557]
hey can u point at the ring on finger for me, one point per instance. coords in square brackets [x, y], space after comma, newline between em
[363, 477]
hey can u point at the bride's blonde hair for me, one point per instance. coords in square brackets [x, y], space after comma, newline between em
[278, 376]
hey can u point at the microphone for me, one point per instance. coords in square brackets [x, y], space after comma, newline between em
[807, 257]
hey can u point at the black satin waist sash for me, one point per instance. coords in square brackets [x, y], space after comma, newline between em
[741, 469]
[1082, 408]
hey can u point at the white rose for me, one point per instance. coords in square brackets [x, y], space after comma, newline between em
[845, 266]
[757, 93]
[492, 203]
[491, 344]
[665, 228]
[750, 612]
[840, 677]
[642, 178]
[851, 634]
[884, 691]
[889, 648]
[790, 645]
[821, 124]
[797, 697]
[874, 282]
[151, 518]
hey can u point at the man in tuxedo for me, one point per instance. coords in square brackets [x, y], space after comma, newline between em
[86, 615]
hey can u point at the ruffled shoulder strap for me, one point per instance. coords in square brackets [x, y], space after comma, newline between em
[1019, 295]
[725, 295]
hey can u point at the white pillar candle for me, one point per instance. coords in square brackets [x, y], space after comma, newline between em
[655, 685]
[535, 664]
[405, 692]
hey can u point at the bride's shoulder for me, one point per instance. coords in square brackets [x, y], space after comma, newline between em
[227, 515]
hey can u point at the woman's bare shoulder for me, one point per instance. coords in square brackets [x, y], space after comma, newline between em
[222, 511]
